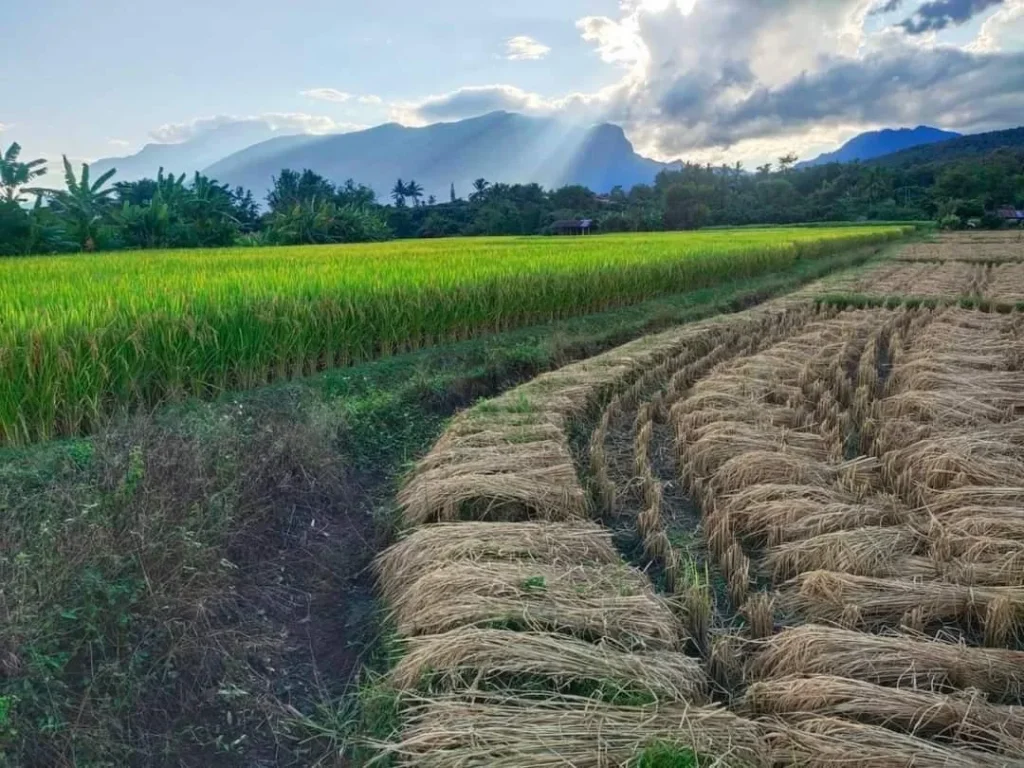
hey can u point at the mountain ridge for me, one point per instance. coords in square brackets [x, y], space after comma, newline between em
[873, 144]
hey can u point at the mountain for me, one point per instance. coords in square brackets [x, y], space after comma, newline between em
[500, 146]
[973, 146]
[187, 156]
[874, 144]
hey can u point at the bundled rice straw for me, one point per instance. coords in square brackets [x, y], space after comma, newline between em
[611, 602]
[774, 523]
[826, 742]
[964, 717]
[862, 551]
[894, 660]
[713, 445]
[466, 656]
[826, 595]
[546, 492]
[510, 732]
[435, 545]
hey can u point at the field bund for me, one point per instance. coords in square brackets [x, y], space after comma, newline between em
[83, 336]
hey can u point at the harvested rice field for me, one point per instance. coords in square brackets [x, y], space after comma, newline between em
[984, 270]
[792, 536]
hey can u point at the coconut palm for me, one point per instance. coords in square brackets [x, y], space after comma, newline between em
[15, 174]
[399, 192]
[414, 190]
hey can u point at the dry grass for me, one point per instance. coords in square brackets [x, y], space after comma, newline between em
[400, 566]
[513, 732]
[863, 551]
[594, 602]
[525, 492]
[826, 742]
[965, 717]
[466, 657]
[891, 659]
[827, 596]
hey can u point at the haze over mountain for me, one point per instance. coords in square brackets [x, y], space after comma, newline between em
[867, 146]
[500, 147]
[187, 156]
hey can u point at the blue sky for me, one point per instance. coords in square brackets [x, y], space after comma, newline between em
[703, 79]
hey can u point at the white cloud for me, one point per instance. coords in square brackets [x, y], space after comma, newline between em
[371, 100]
[719, 79]
[477, 100]
[121, 143]
[1003, 30]
[3, 127]
[525, 48]
[327, 94]
[284, 122]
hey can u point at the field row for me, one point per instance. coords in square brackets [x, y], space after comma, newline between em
[82, 337]
[830, 498]
[1000, 285]
[979, 247]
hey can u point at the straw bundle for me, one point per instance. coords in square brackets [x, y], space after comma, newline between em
[825, 595]
[825, 742]
[964, 717]
[592, 602]
[428, 548]
[715, 444]
[546, 492]
[468, 656]
[862, 551]
[894, 660]
[513, 732]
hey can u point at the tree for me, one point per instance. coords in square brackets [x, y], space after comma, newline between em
[414, 190]
[685, 207]
[83, 204]
[15, 174]
[764, 170]
[453, 197]
[399, 192]
[431, 200]
[786, 162]
[480, 187]
[292, 187]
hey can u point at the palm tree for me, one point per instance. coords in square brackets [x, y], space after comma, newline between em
[399, 192]
[480, 187]
[83, 203]
[414, 190]
[15, 174]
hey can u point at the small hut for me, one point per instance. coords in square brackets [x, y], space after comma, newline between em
[573, 227]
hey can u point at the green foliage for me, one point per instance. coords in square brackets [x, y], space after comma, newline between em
[15, 174]
[664, 755]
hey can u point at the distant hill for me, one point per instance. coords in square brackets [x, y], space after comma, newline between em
[187, 156]
[500, 146]
[975, 145]
[868, 146]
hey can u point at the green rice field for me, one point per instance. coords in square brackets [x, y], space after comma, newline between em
[82, 336]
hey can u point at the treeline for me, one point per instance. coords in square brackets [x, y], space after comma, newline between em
[305, 208]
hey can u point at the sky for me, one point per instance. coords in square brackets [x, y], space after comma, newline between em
[704, 80]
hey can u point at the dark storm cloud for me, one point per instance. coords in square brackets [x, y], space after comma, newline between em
[945, 86]
[939, 14]
[888, 7]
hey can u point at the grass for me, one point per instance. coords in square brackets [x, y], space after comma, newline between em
[173, 589]
[664, 755]
[84, 336]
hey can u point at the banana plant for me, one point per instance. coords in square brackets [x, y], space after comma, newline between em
[84, 203]
[15, 174]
